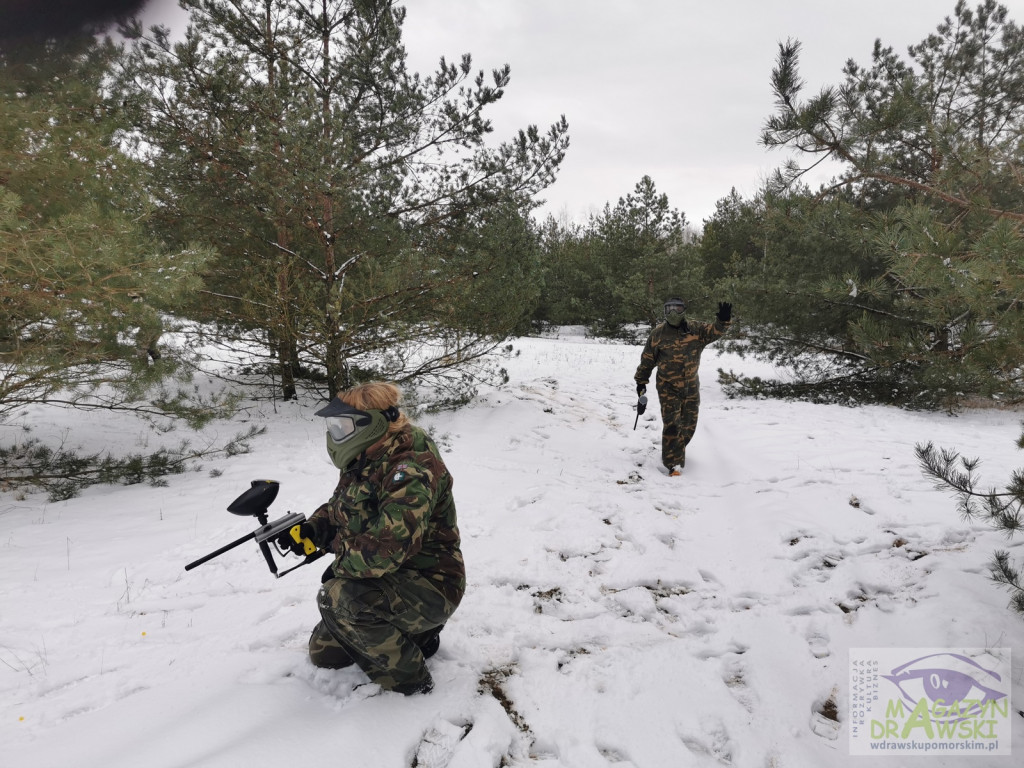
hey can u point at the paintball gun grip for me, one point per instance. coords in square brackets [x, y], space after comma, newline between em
[307, 544]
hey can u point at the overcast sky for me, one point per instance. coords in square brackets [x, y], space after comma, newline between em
[674, 89]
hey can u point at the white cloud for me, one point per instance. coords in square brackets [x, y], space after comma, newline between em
[675, 89]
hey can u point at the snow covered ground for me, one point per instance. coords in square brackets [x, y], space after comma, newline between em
[614, 616]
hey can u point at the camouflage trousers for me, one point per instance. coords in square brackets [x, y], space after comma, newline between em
[380, 624]
[679, 410]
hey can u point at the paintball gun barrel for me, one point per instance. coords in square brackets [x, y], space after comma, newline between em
[254, 503]
[641, 406]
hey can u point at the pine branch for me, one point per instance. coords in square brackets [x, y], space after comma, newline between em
[63, 473]
[1004, 574]
[941, 465]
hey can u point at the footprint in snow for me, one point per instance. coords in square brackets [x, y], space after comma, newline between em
[439, 743]
[817, 641]
[720, 650]
[708, 577]
[825, 717]
[712, 741]
[667, 539]
[744, 601]
[734, 677]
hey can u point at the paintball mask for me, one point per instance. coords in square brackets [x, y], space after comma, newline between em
[675, 309]
[351, 431]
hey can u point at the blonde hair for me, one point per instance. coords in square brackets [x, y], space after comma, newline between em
[376, 396]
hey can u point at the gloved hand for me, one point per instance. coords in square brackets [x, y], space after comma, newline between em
[724, 311]
[641, 390]
[287, 543]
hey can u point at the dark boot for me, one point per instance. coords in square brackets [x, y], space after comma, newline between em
[410, 689]
[429, 641]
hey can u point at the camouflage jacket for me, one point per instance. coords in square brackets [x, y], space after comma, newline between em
[676, 353]
[395, 511]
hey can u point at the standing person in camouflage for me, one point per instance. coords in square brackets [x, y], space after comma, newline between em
[398, 573]
[674, 346]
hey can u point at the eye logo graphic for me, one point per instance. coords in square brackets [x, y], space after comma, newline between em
[958, 685]
[941, 702]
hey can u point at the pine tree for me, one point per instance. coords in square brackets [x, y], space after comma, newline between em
[645, 257]
[344, 193]
[82, 286]
[933, 145]
[568, 288]
[774, 254]
[616, 271]
[734, 233]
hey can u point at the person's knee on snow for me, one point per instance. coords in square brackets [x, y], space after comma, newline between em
[326, 652]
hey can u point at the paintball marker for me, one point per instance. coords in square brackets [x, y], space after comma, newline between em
[641, 406]
[254, 503]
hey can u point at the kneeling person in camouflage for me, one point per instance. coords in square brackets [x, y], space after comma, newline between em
[398, 573]
[675, 346]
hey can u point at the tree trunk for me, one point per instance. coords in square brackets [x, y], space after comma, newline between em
[337, 371]
[287, 346]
